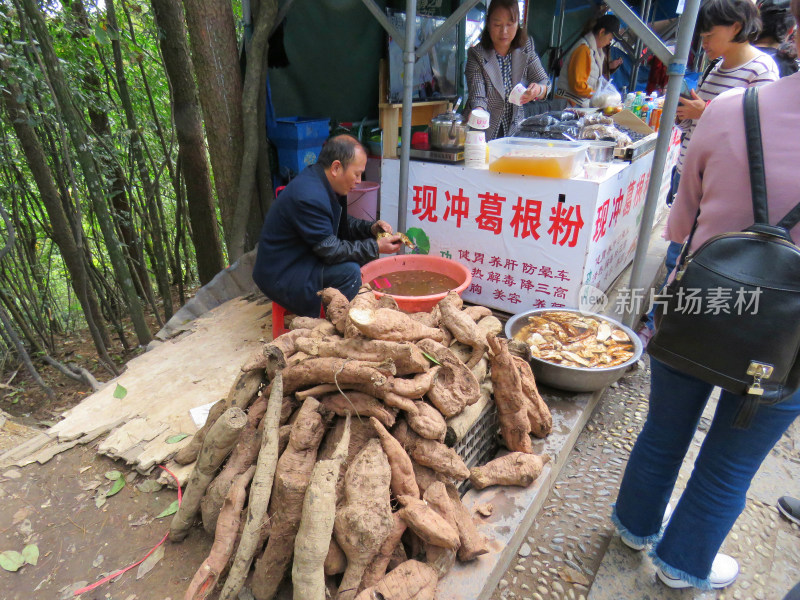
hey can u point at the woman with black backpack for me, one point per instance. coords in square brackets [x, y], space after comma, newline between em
[716, 180]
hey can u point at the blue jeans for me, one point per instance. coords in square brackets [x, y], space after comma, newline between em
[345, 277]
[717, 488]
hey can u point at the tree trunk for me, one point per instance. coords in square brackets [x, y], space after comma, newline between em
[6, 322]
[83, 150]
[61, 230]
[256, 58]
[216, 64]
[189, 129]
[98, 119]
[159, 249]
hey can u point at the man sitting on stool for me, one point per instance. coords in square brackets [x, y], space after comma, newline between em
[309, 242]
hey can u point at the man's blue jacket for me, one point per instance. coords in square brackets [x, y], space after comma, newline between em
[306, 228]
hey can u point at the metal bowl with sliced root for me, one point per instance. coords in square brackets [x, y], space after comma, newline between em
[573, 350]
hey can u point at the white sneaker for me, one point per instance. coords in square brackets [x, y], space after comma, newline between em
[724, 572]
[634, 545]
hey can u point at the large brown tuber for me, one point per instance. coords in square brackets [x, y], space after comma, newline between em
[391, 325]
[242, 392]
[335, 560]
[279, 349]
[473, 543]
[360, 405]
[427, 523]
[412, 580]
[377, 568]
[515, 468]
[462, 326]
[339, 371]
[455, 386]
[538, 412]
[406, 356]
[216, 447]
[365, 519]
[316, 524]
[260, 491]
[509, 398]
[441, 559]
[243, 455]
[435, 455]
[336, 307]
[403, 481]
[227, 527]
[292, 477]
[365, 299]
[428, 422]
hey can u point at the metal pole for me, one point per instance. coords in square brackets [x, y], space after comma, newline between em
[438, 33]
[408, 92]
[676, 70]
[637, 52]
[384, 22]
[650, 39]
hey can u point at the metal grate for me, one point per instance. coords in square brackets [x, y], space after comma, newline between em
[480, 443]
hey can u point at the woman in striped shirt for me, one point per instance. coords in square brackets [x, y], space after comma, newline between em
[727, 28]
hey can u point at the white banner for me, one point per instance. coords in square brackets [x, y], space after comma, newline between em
[530, 242]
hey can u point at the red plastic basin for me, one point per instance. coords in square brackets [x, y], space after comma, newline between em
[417, 262]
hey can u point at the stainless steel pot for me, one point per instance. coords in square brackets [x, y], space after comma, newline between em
[448, 131]
[575, 379]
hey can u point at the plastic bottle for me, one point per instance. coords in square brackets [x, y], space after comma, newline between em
[629, 100]
[637, 103]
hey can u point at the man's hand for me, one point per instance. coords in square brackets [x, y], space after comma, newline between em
[379, 226]
[690, 108]
[389, 244]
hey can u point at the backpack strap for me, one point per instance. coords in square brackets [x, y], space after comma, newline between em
[755, 156]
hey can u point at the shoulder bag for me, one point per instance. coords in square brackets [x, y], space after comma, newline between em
[731, 316]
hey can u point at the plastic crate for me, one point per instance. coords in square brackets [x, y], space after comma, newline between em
[292, 133]
[295, 160]
[480, 443]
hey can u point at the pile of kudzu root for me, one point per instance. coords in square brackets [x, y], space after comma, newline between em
[343, 448]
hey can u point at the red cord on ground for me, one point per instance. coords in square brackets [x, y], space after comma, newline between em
[108, 578]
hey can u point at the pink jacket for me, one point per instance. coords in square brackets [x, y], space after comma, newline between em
[715, 174]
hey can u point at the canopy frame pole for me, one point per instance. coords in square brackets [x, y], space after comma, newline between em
[438, 33]
[637, 52]
[384, 22]
[675, 69]
[409, 58]
[650, 39]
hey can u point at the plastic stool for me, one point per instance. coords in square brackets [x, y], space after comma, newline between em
[278, 325]
[278, 315]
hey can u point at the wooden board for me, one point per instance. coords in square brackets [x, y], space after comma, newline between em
[162, 385]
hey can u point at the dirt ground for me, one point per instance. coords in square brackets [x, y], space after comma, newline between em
[53, 506]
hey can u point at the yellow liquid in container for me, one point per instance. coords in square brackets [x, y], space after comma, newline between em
[539, 166]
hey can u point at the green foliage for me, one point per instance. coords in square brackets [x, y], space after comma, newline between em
[35, 286]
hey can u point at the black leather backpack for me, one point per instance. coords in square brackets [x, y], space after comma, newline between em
[749, 345]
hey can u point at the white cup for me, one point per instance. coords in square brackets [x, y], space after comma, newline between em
[478, 119]
[475, 137]
[515, 95]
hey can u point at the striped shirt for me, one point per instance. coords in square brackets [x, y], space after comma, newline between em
[508, 110]
[758, 71]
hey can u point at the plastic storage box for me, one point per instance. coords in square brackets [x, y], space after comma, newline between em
[299, 141]
[541, 158]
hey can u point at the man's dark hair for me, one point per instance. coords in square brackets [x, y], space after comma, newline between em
[608, 22]
[341, 148]
[729, 12]
[522, 36]
[776, 19]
